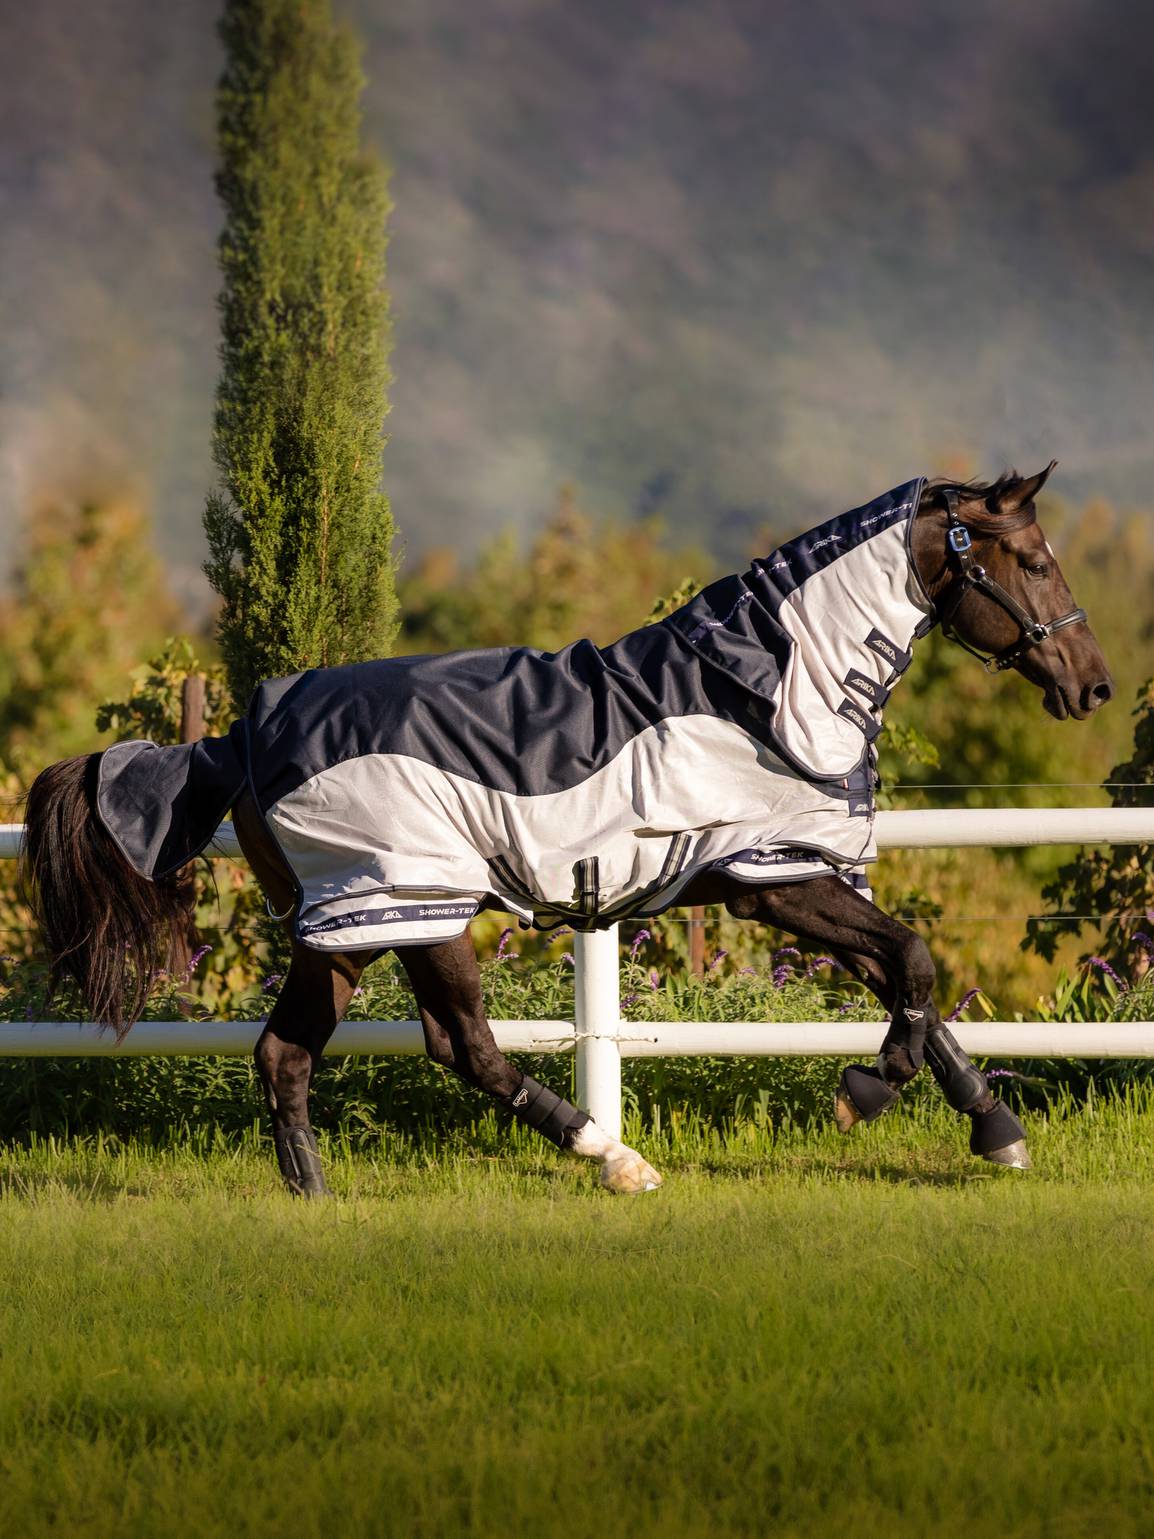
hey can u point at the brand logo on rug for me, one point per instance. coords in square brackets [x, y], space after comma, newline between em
[888, 649]
[913, 1015]
[521, 1098]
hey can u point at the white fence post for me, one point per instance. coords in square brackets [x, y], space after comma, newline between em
[598, 1021]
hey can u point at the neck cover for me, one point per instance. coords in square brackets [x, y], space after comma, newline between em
[821, 630]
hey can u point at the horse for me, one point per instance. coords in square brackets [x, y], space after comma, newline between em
[724, 755]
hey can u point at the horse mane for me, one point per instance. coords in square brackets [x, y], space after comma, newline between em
[988, 492]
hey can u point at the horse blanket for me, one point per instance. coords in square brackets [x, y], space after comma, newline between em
[582, 786]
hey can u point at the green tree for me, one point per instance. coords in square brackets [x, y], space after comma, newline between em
[1116, 881]
[300, 539]
[578, 576]
[87, 598]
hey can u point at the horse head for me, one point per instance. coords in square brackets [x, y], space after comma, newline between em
[997, 588]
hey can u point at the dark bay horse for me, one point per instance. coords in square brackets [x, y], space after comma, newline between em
[738, 690]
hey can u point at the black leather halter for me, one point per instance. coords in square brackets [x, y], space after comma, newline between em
[971, 575]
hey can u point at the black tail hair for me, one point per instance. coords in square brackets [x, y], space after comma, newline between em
[105, 926]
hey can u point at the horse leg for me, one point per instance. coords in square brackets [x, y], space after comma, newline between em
[896, 964]
[310, 1006]
[308, 1009]
[995, 1132]
[447, 984]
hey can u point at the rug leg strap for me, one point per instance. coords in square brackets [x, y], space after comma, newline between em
[547, 1113]
[300, 1162]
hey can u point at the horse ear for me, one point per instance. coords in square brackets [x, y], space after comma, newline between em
[1019, 491]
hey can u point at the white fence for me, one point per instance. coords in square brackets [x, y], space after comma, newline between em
[600, 1037]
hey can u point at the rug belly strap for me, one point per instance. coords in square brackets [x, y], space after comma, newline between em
[544, 1110]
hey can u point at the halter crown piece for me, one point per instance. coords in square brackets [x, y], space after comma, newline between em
[973, 575]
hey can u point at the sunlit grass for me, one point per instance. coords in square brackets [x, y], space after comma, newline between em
[799, 1334]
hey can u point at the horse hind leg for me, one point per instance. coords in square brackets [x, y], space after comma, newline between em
[447, 986]
[308, 1010]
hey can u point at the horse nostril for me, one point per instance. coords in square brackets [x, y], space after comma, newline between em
[1102, 692]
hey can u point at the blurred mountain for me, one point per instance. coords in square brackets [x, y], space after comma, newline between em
[737, 263]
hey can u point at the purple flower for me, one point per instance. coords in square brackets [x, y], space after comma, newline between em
[1104, 967]
[1000, 1074]
[781, 975]
[820, 962]
[196, 959]
[629, 999]
[718, 958]
[638, 941]
[503, 946]
[964, 1003]
[748, 972]
[1139, 938]
[654, 978]
[786, 951]
[271, 981]
[567, 956]
[560, 934]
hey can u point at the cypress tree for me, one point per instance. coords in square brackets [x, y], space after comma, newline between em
[300, 536]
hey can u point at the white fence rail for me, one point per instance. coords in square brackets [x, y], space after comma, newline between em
[599, 1036]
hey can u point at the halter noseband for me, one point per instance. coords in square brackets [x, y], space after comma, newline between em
[971, 575]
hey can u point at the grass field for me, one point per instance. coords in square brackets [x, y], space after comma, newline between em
[796, 1336]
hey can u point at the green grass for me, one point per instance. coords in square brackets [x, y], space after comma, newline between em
[798, 1335]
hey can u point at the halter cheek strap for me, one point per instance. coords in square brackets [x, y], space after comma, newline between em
[972, 575]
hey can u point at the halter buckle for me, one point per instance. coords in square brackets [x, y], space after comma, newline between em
[959, 538]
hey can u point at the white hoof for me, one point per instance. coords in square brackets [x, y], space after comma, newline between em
[625, 1172]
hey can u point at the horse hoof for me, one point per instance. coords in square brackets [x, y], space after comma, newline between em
[845, 1113]
[629, 1174]
[1014, 1156]
[998, 1135]
[861, 1096]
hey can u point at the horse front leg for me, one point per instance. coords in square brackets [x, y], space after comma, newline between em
[447, 984]
[996, 1134]
[895, 963]
[308, 1009]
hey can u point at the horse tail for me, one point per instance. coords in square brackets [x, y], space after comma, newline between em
[104, 926]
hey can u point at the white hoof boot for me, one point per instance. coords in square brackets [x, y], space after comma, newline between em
[624, 1171]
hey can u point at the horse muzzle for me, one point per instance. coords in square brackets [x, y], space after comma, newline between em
[1068, 699]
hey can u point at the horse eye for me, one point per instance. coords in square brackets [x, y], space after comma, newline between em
[1038, 570]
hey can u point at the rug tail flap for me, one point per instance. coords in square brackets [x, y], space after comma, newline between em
[162, 805]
